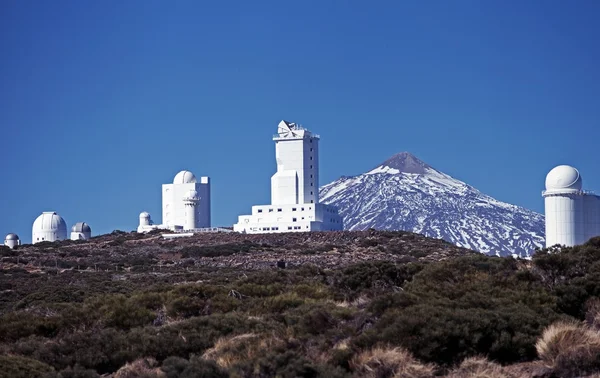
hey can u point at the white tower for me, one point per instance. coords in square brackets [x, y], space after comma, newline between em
[297, 156]
[190, 201]
[81, 231]
[48, 227]
[12, 240]
[563, 199]
[295, 203]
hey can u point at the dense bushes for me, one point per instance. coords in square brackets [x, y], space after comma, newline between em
[370, 319]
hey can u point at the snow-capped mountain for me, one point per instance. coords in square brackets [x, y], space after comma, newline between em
[404, 193]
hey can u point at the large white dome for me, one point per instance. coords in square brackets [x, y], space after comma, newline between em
[564, 177]
[184, 177]
[50, 221]
[49, 227]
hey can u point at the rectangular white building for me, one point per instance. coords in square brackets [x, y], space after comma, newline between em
[295, 203]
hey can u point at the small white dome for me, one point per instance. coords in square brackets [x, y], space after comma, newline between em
[144, 215]
[564, 177]
[81, 227]
[50, 221]
[11, 237]
[184, 177]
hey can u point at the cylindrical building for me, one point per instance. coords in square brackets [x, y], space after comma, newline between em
[190, 201]
[48, 227]
[145, 219]
[563, 200]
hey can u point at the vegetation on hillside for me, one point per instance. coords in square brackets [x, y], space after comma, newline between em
[465, 316]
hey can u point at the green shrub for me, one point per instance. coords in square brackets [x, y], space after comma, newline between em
[21, 367]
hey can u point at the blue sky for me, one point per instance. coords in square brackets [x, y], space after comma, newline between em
[101, 102]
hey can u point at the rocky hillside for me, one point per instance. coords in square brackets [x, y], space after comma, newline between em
[127, 251]
[404, 193]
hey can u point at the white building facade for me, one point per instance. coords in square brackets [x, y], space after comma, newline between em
[572, 214]
[295, 203]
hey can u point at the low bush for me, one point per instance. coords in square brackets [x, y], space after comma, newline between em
[21, 367]
[570, 349]
[384, 362]
[478, 367]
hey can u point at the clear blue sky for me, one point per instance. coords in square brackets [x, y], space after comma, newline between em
[101, 102]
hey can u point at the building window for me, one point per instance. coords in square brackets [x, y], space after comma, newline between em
[302, 209]
[310, 176]
[311, 149]
[311, 193]
[279, 210]
[311, 201]
[289, 227]
[260, 210]
[294, 219]
[302, 218]
[311, 184]
[293, 209]
[311, 167]
[311, 158]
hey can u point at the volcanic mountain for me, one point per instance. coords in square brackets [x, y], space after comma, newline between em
[404, 193]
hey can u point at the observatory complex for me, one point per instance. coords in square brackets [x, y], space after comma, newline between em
[50, 226]
[185, 205]
[572, 214]
[295, 203]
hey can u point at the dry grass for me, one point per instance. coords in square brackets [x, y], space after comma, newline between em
[592, 316]
[570, 348]
[141, 368]
[387, 362]
[478, 367]
[230, 351]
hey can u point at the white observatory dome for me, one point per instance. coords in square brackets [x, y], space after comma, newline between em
[81, 227]
[144, 215]
[564, 177]
[81, 231]
[184, 177]
[11, 240]
[49, 227]
[11, 237]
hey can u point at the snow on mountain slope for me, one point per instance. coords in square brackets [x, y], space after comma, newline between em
[404, 193]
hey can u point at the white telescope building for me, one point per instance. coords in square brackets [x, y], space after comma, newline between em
[572, 214]
[185, 205]
[81, 231]
[49, 226]
[12, 240]
[295, 203]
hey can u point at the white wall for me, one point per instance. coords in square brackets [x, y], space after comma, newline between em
[591, 205]
[564, 219]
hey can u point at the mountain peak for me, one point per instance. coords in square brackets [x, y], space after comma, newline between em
[407, 163]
